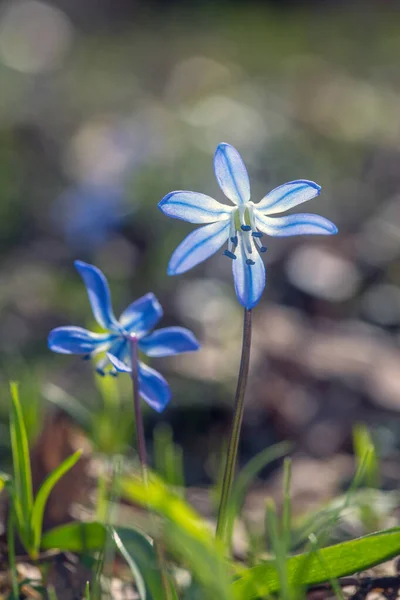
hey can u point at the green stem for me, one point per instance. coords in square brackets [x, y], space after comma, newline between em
[141, 445]
[11, 553]
[236, 427]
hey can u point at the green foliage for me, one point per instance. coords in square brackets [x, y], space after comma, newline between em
[75, 537]
[343, 559]
[139, 553]
[28, 512]
[185, 535]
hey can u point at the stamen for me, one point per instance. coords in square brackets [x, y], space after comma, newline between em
[86, 357]
[100, 371]
[114, 372]
[247, 243]
[263, 249]
[230, 254]
[250, 262]
[232, 234]
[245, 227]
[257, 234]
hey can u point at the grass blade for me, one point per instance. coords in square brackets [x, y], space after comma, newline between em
[43, 494]
[21, 464]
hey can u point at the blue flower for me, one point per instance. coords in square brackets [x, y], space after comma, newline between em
[242, 226]
[137, 320]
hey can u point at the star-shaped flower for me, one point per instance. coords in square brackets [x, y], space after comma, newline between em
[242, 226]
[136, 321]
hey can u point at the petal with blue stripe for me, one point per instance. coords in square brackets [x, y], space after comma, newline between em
[231, 174]
[142, 315]
[99, 295]
[76, 340]
[169, 341]
[249, 279]
[298, 224]
[153, 388]
[287, 196]
[197, 246]
[193, 207]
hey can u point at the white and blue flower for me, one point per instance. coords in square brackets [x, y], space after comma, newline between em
[242, 225]
[136, 321]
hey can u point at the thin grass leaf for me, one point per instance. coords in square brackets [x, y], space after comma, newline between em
[332, 580]
[21, 462]
[246, 477]
[343, 559]
[287, 508]
[43, 495]
[11, 554]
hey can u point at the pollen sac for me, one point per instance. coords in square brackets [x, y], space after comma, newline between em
[245, 227]
[250, 262]
[100, 371]
[234, 240]
[230, 254]
[257, 234]
[263, 249]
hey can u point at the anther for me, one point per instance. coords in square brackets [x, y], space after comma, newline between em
[250, 262]
[263, 249]
[234, 240]
[100, 371]
[257, 234]
[114, 373]
[245, 227]
[86, 357]
[230, 254]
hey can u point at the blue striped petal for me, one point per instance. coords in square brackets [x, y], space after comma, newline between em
[249, 279]
[193, 207]
[142, 315]
[153, 388]
[197, 246]
[120, 365]
[231, 174]
[99, 295]
[287, 196]
[298, 224]
[76, 340]
[169, 341]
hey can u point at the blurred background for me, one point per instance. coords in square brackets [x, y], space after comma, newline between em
[106, 106]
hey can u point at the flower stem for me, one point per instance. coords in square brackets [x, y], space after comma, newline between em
[236, 427]
[140, 439]
[141, 446]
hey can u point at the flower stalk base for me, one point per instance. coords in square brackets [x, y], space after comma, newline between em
[236, 427]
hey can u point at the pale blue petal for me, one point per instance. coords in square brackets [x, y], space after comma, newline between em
[231, 174]
[153, 388]
[298, 224]
[197, 246]
[121, 363]
[76, 340]
[193, 207]
[99, 295]
[287, 196]
[249, 279]
[142, 315]
[169, 341]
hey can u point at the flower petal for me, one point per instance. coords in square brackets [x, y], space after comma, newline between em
[99, 295]
[231, 174]
[298, 224]
[287, 196]
[76, 340]
[197, 246]
[153, 388]
[169, 341]
[193, 207]
[142, 315]
[249, 279]
[120, 365]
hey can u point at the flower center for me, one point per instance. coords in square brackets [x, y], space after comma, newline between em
[243, 231]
